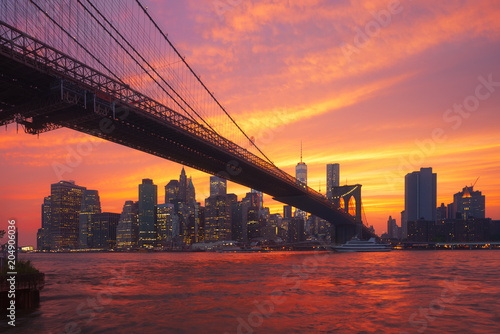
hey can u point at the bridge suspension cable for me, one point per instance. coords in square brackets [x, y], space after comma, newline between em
[143, 59]
[79, 44]
[252, 142]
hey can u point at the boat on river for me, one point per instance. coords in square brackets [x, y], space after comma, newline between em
[357, 245]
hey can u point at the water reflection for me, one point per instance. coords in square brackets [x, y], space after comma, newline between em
[280, 292]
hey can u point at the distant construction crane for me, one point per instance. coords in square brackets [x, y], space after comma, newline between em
[472, 186]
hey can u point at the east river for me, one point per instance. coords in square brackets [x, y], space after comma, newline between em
[280, 292]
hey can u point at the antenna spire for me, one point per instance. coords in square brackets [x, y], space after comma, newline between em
[301, 151]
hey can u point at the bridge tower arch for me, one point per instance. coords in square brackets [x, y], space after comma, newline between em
[348, 199]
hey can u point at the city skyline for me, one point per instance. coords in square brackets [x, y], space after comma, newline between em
[379, 114]
[179, 221]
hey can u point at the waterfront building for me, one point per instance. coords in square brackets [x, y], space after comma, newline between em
[217, 224]
[296, 230]
[91, 206]
[103, 229]
[469, 203]
[404, 225]
[451, 230]
[164, 222]
[238, 221]
[420, 196]
[147, 215]
[393, 230]
[65, 205]
[42, 235]
[127, 230]
[441, 212]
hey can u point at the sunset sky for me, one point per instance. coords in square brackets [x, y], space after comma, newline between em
[383, 88]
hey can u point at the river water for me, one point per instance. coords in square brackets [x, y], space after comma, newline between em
[280, 292]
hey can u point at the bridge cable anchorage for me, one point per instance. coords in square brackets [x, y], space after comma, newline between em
[203, 85]
[79, 44]
[144, 60]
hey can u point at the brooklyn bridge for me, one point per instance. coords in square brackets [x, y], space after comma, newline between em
[105, 68]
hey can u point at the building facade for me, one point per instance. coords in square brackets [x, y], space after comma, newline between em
[332, 178]
[469, 204]
[127, 230]
[91, 206]
[420, 197]
[65, 205]
[147, 213]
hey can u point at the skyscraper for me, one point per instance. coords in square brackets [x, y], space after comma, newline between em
[164, 222]
[301, 172]
[91, 206]
[261, 198]
[469, 203]
[147, 213]
[218, 186]
[332, 178]
[237, 221]
[393, 229]
[191, 193]
[296, 230]
[42, 235]
[183, 186]
[301, 175]
[421, 195]
[287, 211]
[127, 231]
[104, 230]
[66, 201]
[172, 191]
[217, 225]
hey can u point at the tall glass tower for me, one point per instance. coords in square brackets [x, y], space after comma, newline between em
[65, 205]
[91, 206]
[301, 175]
[332, 178]
[147, 213]
[301, 169]
[420, 196]
[127, 230]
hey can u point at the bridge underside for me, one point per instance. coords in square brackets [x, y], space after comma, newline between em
[42, 100]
